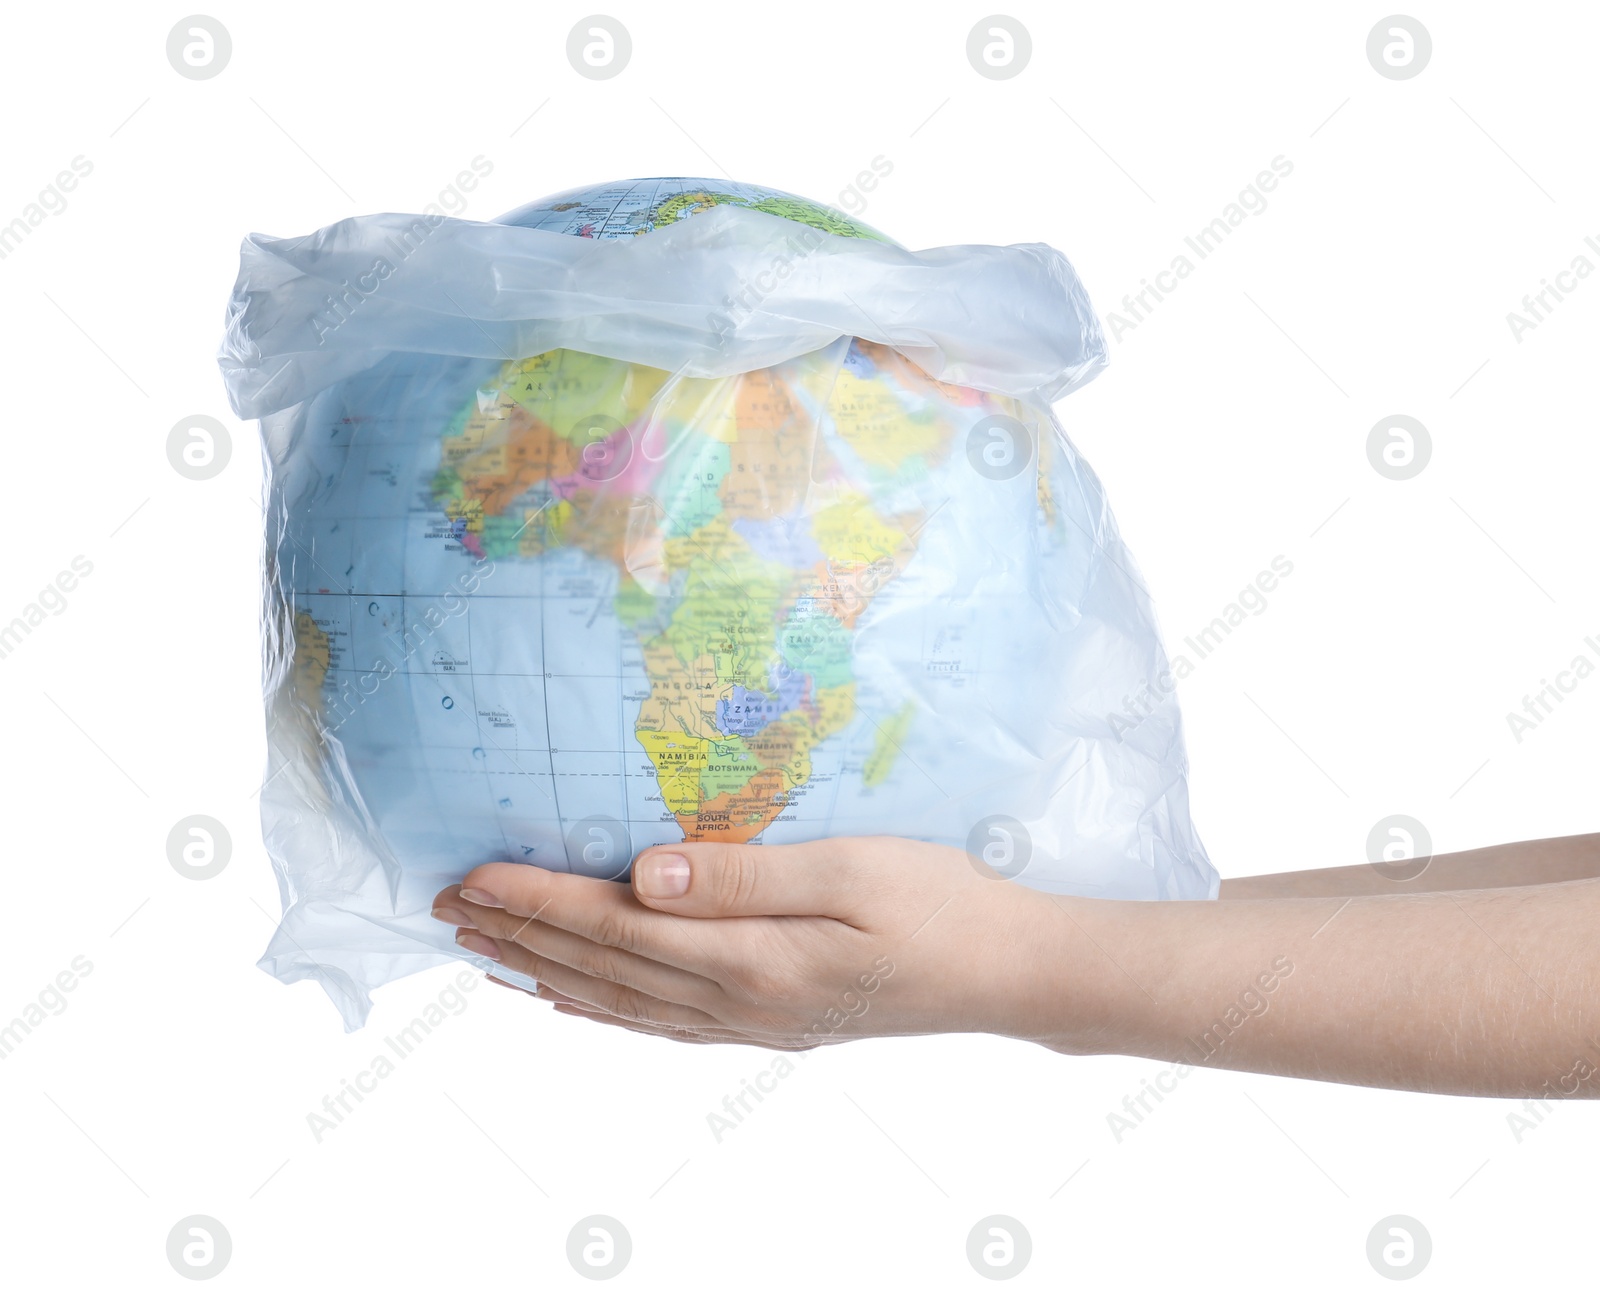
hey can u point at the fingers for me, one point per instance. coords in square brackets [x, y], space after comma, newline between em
[519, 989]
[561, 1003]
[716, 880]
[605, 962]
[603, 912]
[682, 1034]
[618, 1000]
[687, 1035]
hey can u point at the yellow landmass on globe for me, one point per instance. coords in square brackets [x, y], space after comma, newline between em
[891, 738]
[565, 389]
[312, 655]
[873, 419]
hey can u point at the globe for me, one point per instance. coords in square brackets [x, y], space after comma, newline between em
[555, 608]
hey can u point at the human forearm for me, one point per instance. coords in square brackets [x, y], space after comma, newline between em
[1491, 992]
[1487, 992]
[1528, 863]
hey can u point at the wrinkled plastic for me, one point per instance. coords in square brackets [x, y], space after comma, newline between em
[575, 547]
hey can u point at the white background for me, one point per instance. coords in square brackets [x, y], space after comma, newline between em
[1230, 428]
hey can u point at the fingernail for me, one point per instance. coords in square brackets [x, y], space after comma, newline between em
[663, 877]
[454, 917]
[473, 896]
[478, 943]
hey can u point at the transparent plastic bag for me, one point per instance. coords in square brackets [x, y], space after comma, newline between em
[732, 528]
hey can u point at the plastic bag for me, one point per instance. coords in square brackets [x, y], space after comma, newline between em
[729, 519]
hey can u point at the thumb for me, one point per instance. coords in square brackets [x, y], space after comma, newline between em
[715, 880]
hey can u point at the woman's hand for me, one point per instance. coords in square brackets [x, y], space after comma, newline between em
[1347, 978]
[786, 947]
